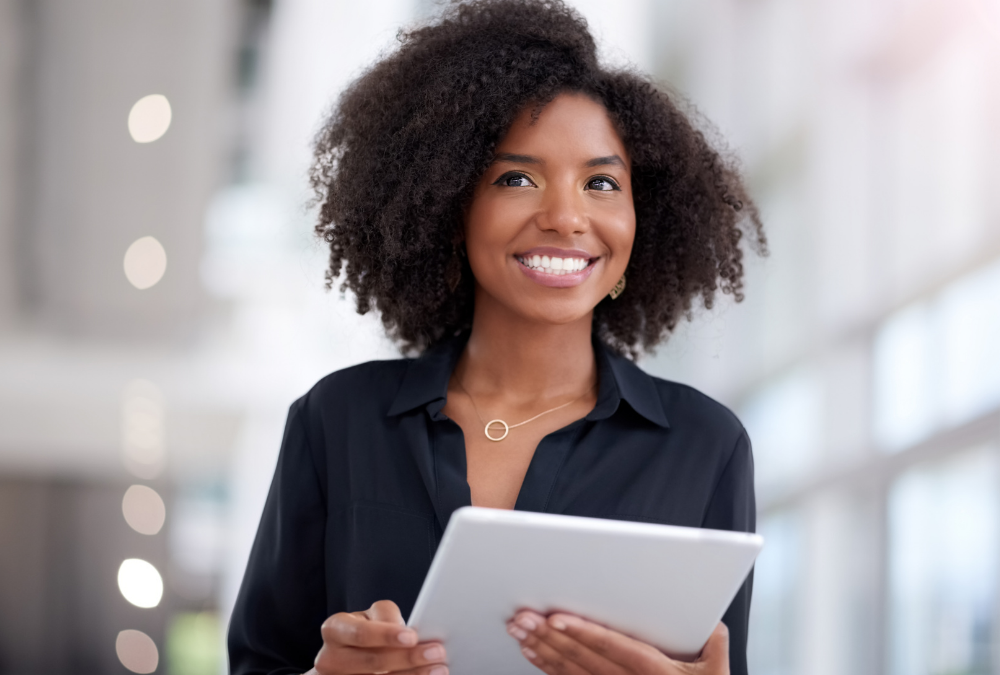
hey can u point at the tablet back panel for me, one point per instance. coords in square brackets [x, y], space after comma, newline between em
[665, 585]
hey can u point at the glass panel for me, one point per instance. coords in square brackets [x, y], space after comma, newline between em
[935, 362]
[773, 613]
[969, 319]
[944, 520]
[904, 378]
[784, 421]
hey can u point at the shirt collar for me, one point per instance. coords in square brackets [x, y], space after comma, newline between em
[426, 383]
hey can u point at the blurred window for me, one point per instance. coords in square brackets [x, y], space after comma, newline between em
[904, 377]
[784, 421]
[969, 317]
[773, 613]
[935, 362]
[944, 521]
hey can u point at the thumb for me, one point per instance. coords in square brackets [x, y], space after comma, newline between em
[385, 610]
[716, 651]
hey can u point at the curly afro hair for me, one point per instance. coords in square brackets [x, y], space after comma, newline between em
[397, 161]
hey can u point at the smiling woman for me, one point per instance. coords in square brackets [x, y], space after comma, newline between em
[394, 181]
[524, 221]
[558, 191]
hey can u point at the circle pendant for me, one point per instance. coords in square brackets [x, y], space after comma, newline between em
[506, 430]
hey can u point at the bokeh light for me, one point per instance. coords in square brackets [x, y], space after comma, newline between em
[143, 429]
[140, 583]
[137, 651]
[144, 509]
[194, 643]
[145, 262]
[149, 118]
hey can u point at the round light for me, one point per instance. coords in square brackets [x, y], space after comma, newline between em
[143, 422]
[140, 583]
[143, 509]
[149, 118]
[145, 262]
[143, 429]
[137, 651]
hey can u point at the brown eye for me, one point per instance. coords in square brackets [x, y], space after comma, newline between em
[602, 184]
[514, 179]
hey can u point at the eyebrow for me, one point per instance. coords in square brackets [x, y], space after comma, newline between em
[606, 161]
[517, 159]
[609, 160]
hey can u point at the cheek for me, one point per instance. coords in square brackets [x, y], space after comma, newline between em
[482, 241]
[621, 237]
[490, 226]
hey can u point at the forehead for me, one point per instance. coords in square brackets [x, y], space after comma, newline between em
[571, 126]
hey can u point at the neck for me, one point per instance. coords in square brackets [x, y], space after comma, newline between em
[510, 355]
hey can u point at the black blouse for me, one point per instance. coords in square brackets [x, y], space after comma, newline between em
[370, 470]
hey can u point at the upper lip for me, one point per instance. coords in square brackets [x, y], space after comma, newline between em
[554, 252]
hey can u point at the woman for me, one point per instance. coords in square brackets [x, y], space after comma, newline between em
[524, 222]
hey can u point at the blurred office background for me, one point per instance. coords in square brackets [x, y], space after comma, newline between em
[162, 303]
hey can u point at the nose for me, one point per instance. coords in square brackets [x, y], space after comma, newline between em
[563, 211]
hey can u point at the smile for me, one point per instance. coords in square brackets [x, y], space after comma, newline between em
[556, 268]
[553, 265]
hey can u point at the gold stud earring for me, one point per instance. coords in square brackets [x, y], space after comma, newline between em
[618, 289]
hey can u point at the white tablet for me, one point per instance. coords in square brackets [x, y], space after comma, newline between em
[668, 586]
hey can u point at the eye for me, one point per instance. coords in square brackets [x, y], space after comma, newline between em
[514, 179]
[602, 184]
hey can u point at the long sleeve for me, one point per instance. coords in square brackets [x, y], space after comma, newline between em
[733, 507]
[275, 627]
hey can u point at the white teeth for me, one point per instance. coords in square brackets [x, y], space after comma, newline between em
[556, 266]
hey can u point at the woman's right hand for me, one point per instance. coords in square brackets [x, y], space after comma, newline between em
[376, 641]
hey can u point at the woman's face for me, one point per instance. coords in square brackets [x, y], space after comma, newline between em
[551, 224]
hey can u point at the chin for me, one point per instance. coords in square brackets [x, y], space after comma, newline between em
[558, 313]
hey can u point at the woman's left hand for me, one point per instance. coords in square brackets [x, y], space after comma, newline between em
[564, 644]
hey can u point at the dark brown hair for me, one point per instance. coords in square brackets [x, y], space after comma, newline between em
[397, 160]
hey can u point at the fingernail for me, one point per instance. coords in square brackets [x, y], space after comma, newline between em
[517, 632]
[529, 653]
[407, 637]
[558, 624]
[435, 653]
[527, 622]
[438, 670]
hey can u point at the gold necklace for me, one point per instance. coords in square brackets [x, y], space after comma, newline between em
[508, 427]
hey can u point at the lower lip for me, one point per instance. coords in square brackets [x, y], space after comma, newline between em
[557, 280]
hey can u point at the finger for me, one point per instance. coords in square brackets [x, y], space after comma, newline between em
[439, 669]
[620, 650]
[544, 656]
[385, 610]
[358, 660]
[556, 647]
[716, 650]
[356, 630]
[553, 666]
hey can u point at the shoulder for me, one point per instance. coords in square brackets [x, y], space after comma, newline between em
[370, 384]
[720, 441]
[687, 407]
